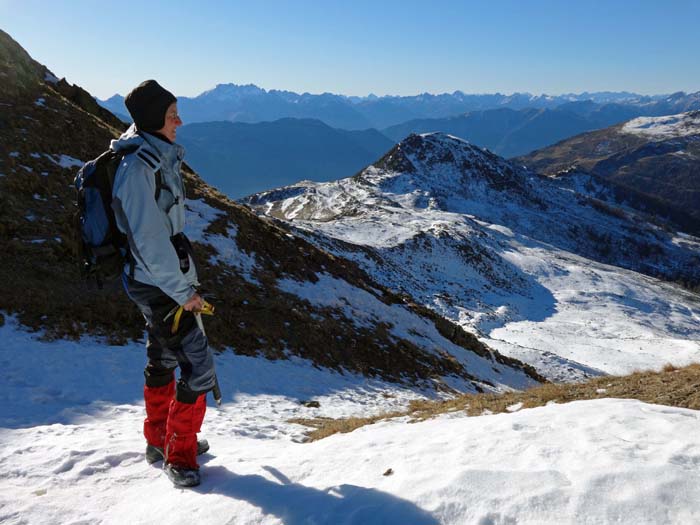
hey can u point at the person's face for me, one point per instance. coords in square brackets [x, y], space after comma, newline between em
[172, 122]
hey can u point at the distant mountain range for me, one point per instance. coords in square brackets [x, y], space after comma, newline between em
[241, 159]
[504, 131]
[279, 137]
[250, 103]
[509, 132]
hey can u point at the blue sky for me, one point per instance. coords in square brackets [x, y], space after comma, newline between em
[360, 47]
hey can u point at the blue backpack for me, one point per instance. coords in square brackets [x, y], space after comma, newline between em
[103, 249]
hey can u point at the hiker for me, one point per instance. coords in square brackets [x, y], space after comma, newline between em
[160, 275]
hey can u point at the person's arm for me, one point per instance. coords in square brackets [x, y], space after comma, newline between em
[149, 231]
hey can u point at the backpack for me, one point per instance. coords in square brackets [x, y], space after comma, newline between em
[102, 249]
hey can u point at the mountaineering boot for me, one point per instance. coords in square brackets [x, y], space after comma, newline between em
[154, 453]
[180, 451]
[182, 476]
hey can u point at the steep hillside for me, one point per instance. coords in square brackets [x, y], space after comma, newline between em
[277, 295]
[656, 159]
[537, 268]
[240, 159]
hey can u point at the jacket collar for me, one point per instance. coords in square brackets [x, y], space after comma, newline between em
[165, 151]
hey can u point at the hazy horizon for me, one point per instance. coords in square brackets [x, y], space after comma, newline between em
[268, 89]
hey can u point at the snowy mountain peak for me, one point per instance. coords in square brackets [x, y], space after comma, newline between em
[442, 165]
[440, 147]
[230, 91]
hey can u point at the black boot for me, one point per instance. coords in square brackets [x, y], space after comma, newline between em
[154, 453]
[182, 476]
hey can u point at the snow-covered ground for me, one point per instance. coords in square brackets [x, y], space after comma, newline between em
[71, 451]
[605, 320]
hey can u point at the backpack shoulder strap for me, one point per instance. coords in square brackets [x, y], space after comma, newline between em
[159, 184]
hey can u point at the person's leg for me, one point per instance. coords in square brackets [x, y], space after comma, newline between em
[184, 422]
[159, 374]
[158, 393]
[187, 410]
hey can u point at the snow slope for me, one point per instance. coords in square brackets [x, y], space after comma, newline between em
[540, 271]
[662, 128]
[71, 452]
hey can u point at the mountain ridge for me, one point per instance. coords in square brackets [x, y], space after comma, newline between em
[657, 158]
[495, 247]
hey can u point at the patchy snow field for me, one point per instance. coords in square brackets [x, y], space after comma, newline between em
[568, 316]
[666, 127]
[495, 250]
[71, 451]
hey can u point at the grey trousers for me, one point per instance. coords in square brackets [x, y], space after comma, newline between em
[187, 348]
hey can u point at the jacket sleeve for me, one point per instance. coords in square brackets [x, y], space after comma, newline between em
[148, 230]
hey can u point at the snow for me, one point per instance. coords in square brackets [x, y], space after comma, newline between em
[606, 319]
[110, 376]
[71, 451]
[228, 254]
[65, 161]
[662, 128]
[199, 216]
[492, 260]
[366, 311]
[41, 102]
[50, 77]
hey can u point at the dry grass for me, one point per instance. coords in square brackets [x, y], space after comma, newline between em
[672, 386]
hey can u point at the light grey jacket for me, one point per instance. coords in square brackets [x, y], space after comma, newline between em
[149, 224]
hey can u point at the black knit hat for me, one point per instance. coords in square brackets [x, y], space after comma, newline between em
[147, 104]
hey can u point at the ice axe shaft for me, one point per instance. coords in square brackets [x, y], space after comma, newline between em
[216, 391]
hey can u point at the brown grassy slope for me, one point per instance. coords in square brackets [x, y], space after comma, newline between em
[40, 284]
[661, 177]
[584, 151]
[679, 387]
